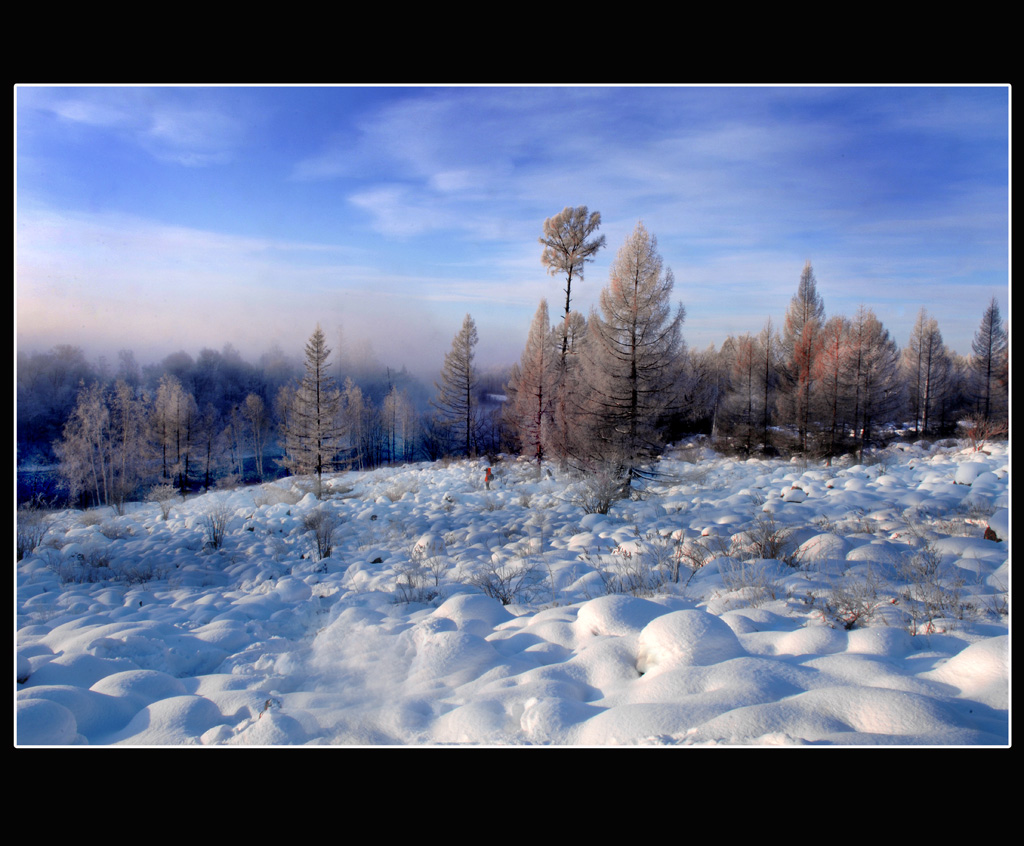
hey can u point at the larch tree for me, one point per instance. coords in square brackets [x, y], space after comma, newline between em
[633, 356]
[362, 425]
[254, 411]
[210, 442]
[990, 365]
[832, 401]
[804, 318]
[531, 388]
[174, 422]
[400, 420]
[129, 418]
[769, 366]
[704, 387]
[312, 425]
[873, 367]
[926, 364]
[743, 398]
[749, 381]
[568, 391]
[569, 243]
[455, 401]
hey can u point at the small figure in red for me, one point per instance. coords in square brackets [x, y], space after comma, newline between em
[487, 478]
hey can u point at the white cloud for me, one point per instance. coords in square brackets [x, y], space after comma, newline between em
[184, 126]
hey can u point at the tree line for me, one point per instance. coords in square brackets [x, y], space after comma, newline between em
[93, 433]
[601, 393]
[605, 392]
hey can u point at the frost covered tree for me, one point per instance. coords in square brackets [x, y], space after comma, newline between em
[254, 411]
[804, 318]
[990, 365]
[633, 356]
[704, 386]
[568, 391]
[104, 448]
[399, 418]
[751, 379]
[363, 427]
[769, 366]
[531, 388]
[873, 365]
[47, 389]
[210, 442]
[173, 422]
[312, 428]
[569, 243]
[455, 402]
[926, 365]
[741, 408]
[832, 401]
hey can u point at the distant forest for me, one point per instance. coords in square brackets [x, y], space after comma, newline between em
[600, 394]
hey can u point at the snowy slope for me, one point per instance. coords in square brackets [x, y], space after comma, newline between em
[738, 602]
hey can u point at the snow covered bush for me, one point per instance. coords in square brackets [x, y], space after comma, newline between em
[214, 522]
[977, 432]
[754, 580]
[932, 597]
[601, 487]
[399, 488]
[766, 539]
[273, 494]
[854, 601]
[322, 523]
[413, 584]
[163, 495]
[31, 529]
[640, 567]
[509, 580]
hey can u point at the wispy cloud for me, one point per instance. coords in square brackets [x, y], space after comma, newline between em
[169, 125]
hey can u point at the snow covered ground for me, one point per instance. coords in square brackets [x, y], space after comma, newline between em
[738, 603]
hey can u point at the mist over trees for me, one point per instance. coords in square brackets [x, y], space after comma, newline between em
[236, 433]
[599, 395]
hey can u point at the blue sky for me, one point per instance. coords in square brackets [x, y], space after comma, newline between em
[166, 218]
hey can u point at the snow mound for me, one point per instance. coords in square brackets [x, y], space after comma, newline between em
[176, 720]
[474, 614]
[980, 672]
[45, 723]
[685, 637]
[968, 471]
[616, 615]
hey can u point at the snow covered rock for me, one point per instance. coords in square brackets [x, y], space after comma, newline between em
[999, 525]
